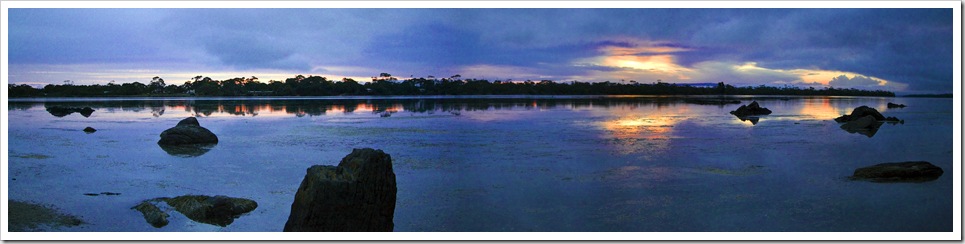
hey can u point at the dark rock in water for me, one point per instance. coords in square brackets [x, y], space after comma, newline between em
[89, 130]
[187, 151]
[216, 210]
[189, 121]
[862, 111]
[152, 214]
[864, 120]
[358, 195]
[918, 171]
[59, 111]
[188, 131]
[751, 109]
[892, 105]
[91, 194]
[866, 125]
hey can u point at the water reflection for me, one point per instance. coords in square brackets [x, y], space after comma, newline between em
[819, 108]
[382, 107]
[187, 151]
[60, 111]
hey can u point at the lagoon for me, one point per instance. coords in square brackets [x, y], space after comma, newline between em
[498, 163]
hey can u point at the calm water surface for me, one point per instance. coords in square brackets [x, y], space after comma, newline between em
[499, 163]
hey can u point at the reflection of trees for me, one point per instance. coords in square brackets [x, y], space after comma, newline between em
[319, 107]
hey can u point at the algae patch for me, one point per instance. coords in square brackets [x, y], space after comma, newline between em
[32, 156]
[24, 216]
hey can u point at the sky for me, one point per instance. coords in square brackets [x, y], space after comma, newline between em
[900, 50]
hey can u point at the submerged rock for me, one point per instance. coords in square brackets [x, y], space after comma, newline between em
[26, 216]
[892, 105]
[357, 195]
[152, 214]
[914, 171]
[751, 109]
[863, 111]
[89, 130]
[188, 131]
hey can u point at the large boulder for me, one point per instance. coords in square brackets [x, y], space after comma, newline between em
[357, 195]
[863, 111]
[894, 105]
[188, 131]
[916, 171]
[750, 110]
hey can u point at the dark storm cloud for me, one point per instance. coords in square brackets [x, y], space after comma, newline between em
[911, 46]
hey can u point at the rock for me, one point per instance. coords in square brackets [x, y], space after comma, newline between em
[189, 121]
[89, 130]
[216, 210]
[892, 105]
[862, 111]
[357, 195]
[751, 109]
[919, 171]
[866, 125]
[188, 131]
[152, 214]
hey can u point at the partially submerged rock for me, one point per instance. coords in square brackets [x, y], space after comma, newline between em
[863, 111]
[59, 111]
[357, 195]
[214, 210]
[188, 131]
[152, 214]
[893, 105]
[751, 109]
[913, 171]
[89, 130]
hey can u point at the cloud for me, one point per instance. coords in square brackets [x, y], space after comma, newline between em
[864, 83]
[900, 46]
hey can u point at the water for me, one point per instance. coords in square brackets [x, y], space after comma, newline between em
[571, 163]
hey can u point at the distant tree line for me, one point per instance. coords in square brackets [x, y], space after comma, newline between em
[386, 84]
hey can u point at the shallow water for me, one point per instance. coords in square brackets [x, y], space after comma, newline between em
[507, 163]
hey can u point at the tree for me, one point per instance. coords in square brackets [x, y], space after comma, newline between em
[157, 85]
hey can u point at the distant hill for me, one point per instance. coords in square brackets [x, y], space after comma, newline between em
[948, 95]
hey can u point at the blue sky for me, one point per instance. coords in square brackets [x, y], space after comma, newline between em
[902, 50]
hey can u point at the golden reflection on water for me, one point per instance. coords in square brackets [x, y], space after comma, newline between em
[648, 135]
[820, 108]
